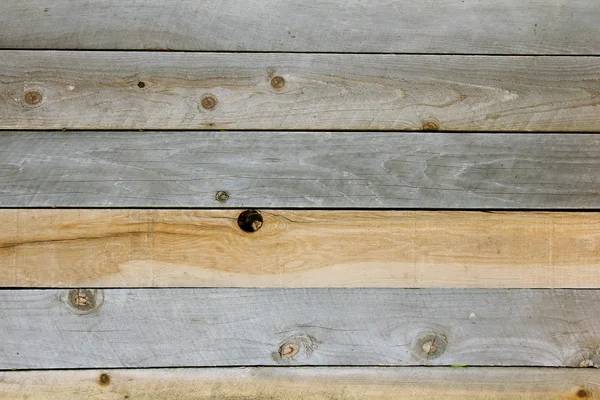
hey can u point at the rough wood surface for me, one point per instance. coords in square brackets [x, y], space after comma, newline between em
[440, 26]
[300, 169]
[158, 248]
[304, 383]
[147, 90]
[329, 327]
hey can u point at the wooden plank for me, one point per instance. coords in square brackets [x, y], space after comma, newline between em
[326, 327]
[300, 169]
[162, 90]
[304, 383]
[158, 248]
[378, 26]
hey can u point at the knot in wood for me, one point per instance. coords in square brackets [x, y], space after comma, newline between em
[277, 82]
[431, 125]
[250, 221]
[84, 301]
[296, 349]
[209, 102]
[288, 350]
[582, 394]
[33, 97]
[104, 380]
[432, 345]
[222, 196]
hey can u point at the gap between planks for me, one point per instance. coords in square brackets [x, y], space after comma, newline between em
[343, 248]
[211, 91]
[304, 383]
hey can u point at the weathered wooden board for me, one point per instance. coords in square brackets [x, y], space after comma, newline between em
[291, 383]
[300, 169]
[338, 327]
[148, 90]
[444, 26]
[158, 248]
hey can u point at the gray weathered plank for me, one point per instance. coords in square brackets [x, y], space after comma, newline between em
[299, 169]
[439, 26]
[101, 90]
[291, 383]
[249, 327]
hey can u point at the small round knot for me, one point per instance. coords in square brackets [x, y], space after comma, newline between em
[278, 82]
[250, 221]
[431, 345]
[104, 380]
[431, 125]
[582, 394]
[209, 102]
[296, 349]
[84, 301]
[33, 97]
[288, 350]
[141, 85]
[221, 196]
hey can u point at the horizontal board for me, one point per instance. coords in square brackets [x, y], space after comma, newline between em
[476, 26]
[162, 90]
[304, 383]
[258, 327]
[158, 248]
[299, 169]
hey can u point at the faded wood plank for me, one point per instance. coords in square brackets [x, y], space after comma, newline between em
[438, 26]
[305, 383]
[300, 169]
[101, 90]
[337, 327]
[158, 248]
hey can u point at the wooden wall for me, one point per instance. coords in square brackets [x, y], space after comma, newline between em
[300, 200]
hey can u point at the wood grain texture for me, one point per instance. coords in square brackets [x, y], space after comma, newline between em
[101, 90]
[326, 327]
[300, 169]
[158, 248]
[439, 26]
[305, 383]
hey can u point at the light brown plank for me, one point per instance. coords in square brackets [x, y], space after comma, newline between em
[101, 90]
[129, 248]
[304, 383]
[439, 26]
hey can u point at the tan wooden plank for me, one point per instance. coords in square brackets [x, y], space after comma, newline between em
[206, 248]
[304, 383]
[366, 170]
[162, 90]
[424, 26]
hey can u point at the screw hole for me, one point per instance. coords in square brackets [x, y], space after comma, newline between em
[250, 221]
[141, 85]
